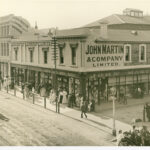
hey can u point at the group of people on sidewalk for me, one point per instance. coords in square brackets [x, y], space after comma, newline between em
[71, 100]
[136, 137]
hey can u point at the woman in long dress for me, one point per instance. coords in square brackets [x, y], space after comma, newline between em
[64, 101]
[52, 97]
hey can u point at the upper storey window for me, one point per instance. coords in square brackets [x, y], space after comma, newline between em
[61, 52]
[127, 53]
[45, 54]
[61, 55]
[73, 51]
[74, 54]
[31, 50]
[142, 53]
[16, 53]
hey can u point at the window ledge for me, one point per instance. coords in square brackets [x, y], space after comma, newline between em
[61, 64]
[128, 61]
[74, 66]
[142, 61]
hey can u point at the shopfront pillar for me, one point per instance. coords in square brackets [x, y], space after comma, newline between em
[148, 83]
[83, 85]
[119, 88]
[3, 70]
[125, 85]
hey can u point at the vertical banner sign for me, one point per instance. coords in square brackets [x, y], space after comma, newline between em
[104, 55]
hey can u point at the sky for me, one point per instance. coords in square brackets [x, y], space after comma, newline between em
[68, 13]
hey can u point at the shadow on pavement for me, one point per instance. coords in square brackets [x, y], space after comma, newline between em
[99, 123]
[2, 117]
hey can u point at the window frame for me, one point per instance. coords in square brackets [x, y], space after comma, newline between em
[61, 51]
[140, 48]
[31, 49]
[16, 53]
[75, 49]
[130, 60]
[45, 49]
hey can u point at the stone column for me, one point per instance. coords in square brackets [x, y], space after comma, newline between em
[83, 85]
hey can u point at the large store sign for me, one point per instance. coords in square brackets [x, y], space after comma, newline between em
[103, 55]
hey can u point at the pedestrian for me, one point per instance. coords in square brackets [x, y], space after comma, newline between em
[89, 106]
[93, 105]
[51, 96]
[74, 100]
[138, 140]
[139, 92]
[77, 100]
[81, 100]
[125, 100]
[119, 137]
[83, 109]
[64, 101]
[133, 134]
[60, 98]
[144, 136]
[148, 111]
[70, 100]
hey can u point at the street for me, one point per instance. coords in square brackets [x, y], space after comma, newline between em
[25, 124]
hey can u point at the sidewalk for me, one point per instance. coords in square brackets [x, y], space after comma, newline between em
[100, 122]
[131, 101]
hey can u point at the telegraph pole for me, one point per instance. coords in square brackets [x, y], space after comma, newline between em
[54, 54]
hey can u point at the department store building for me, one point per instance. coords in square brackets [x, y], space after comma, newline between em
[112, 51]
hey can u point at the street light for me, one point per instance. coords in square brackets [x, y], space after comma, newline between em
[0, 79]
[113, 95]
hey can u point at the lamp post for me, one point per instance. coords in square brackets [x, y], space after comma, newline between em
[0, 78]
[7, 77]
[113, 95]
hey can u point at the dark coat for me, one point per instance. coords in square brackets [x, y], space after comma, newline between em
[84, 107]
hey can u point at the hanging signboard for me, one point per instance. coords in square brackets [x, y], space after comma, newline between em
[104, 55]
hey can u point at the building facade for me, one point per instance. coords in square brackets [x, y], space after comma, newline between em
[10, 27]
[113, 51]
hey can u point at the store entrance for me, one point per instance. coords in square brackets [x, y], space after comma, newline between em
[97, 90]
[103, 90]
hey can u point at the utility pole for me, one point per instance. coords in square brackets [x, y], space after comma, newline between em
[54, 54]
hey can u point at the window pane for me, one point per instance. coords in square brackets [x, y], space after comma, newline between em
[61, 52]
[7, 49]
[127, 55]
[31, 56]
[16, 53]
[45, 57]
[73, 56]
[2, 48]
[142, 53]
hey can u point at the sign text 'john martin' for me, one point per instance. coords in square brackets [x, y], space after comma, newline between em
[104, 55]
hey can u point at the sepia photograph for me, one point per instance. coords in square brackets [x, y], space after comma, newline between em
[75, 73]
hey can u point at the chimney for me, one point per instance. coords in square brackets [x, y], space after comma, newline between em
[103, 29]
[36, 27]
